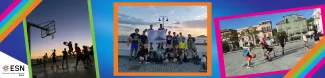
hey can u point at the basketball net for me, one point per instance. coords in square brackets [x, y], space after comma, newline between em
[52, 36]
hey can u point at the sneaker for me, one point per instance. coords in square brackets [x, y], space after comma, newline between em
[248, 67]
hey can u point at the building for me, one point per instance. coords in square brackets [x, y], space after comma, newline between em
[230, 36]
[292, 24]
[317, 20]
[264, 29]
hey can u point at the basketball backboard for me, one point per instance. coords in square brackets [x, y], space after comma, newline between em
[50, 29]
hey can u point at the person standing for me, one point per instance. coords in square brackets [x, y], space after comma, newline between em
[150, 29]
[316, 36]
[169, 39]
[282, 41]
[45, 58]
[134, 40]
[79, 55]
[181, 37]
[175, 40]
[191, 46]
[270, 48]
[53, 58]
[65, 57]
[144, 38]
[304, 38]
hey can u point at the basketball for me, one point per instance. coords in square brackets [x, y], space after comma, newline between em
[130, 39]
[253, 55]
[65, 43]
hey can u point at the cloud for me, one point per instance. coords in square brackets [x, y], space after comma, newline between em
[171, 12]
[126, 19]
[202, 16]
[170, 27]
[201, 23]
[177, 22]
[125, 28]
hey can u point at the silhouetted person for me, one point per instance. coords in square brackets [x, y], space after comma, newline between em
[161, 27]
[65, 57]
[54, 58]
[70, 48]
[45, 57]
[86, 55]
[79, 55]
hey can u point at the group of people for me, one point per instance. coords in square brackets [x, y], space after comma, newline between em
[268, 46]
[83, 55]
[178, 49]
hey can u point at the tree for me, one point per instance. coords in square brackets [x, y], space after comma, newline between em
[275, 32]
[251, 33]
[310, 21]
[225, 46]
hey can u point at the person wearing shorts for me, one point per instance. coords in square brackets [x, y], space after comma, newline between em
[53, 58]
[65, 57]
[79, 55]
[134, 37]
[248, 55]
[270, 48]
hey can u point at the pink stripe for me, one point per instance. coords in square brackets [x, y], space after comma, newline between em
[9, 9]
[219, 41]
[322, 62]
[261, 74]
[220, 50]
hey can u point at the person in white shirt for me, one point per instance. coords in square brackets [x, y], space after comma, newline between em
[304, 38]
[270, 48]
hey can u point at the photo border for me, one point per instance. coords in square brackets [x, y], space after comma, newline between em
[209, 36]
[297, 66]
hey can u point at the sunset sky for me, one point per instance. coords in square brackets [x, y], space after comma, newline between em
[186, 19]
[72, 24]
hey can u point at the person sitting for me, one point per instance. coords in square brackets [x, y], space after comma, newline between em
[159, 53]
[167, 54]
[180, 55]
[143, 53]
[151, 56]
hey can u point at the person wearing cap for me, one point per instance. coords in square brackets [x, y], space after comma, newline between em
[134, 40]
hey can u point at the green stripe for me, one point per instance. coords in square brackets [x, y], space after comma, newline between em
[15, 17]
[93, 37]
[27, 49]
[309, 61]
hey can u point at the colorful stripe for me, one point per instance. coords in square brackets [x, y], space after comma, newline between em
[9, 9]
[16, 16]
[310, 63]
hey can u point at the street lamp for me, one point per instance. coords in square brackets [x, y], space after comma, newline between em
[163, 20]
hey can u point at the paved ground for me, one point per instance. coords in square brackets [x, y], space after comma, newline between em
[133, 66]
[294, 51]
[79, 72]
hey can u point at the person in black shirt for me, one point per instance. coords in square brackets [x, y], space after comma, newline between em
[161, 27]
[151, 55]
[65, 57]
[282, 41]
[134, 39]
[316, 36]
[144, 38]
[143, 53]
[70, 48]
[169, 39]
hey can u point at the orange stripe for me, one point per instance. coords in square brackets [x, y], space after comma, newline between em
[304, 59]
[20, 18]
